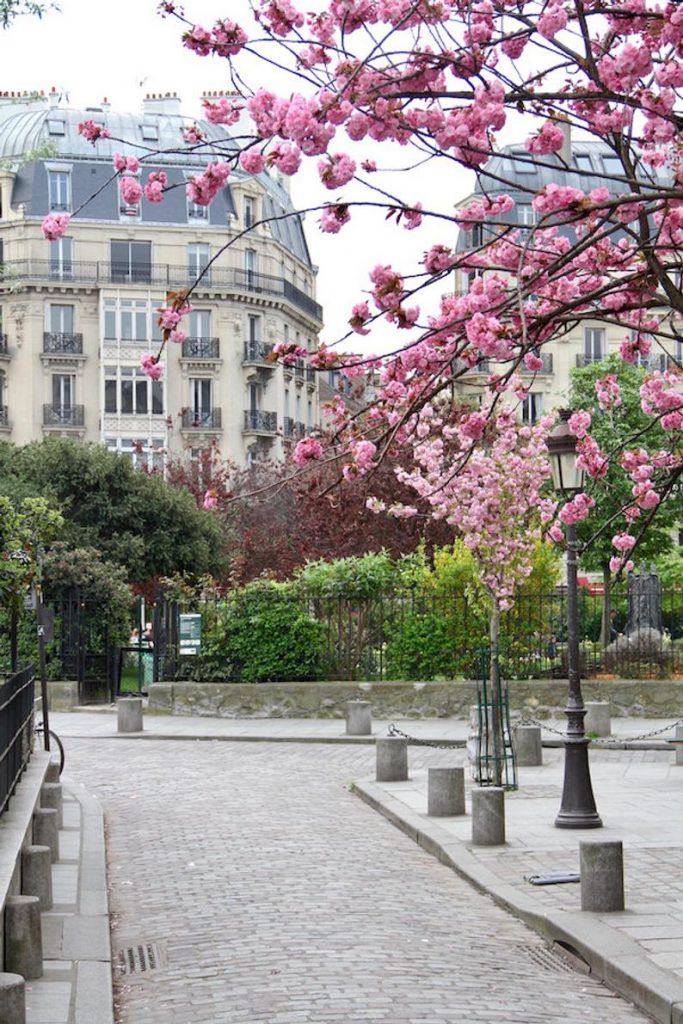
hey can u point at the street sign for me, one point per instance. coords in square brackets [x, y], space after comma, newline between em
[190, 634]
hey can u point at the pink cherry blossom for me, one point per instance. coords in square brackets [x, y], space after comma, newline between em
[210, 501]
[150, 366]
[131, 191]
[92, 131]
[308, 449]
[54, 225]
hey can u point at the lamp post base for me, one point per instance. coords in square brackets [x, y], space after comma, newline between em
[577, 809]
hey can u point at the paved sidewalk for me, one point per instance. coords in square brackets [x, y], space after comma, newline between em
[639, 794]
[76, 984]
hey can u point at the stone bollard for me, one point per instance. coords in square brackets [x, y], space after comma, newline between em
[23, 937]
[12, 999]
[45, 831]
[52, 773]
[445, 792]
[51, 796]
[528, 748]
[129, 711]
[597, 718]
[488, 816]
[602, 876]
[358, 718]
[679, 746]
[36, 874]
[392, 759]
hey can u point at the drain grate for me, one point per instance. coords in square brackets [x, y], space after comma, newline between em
[548, 959]
[140, 959]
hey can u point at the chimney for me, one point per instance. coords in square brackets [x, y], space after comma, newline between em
[245, 125]
[161, 103]
[105, 105]
[565, 153]
[54, 97]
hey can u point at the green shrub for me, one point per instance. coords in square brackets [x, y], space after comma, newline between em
[264, 634]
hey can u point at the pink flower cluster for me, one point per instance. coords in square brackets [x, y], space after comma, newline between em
[203, 188]
[336, 171]
[439, 258]
[557, 197]
[590, 458]
[362, 455]
[282, 16]
[54, 225]
[150, 366]
[307, 450]
[126, 163]
[486, 209]
[577, 509]
[131, 190]
[154, 187]
[659, 396]
[222, 111]
[549, 140]
[288, 352]
[225, 39]
[552, 20]
[608, 392]
[92, 131]
[193, 134]
[333, 218]
[210, 501]
[170, 316]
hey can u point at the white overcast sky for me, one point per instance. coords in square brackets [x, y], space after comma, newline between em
[123, 49]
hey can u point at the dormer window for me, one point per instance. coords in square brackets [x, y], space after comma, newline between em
[56, 126]
[150, 132]
[583, 162]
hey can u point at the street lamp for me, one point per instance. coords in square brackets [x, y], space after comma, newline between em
[577, 809]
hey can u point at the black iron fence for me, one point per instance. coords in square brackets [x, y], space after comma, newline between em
[16, 721]
[415, 636]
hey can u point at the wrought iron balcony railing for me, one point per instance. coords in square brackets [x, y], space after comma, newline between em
[301, 430]
[164, 275]
[57, 341]
[257, 352]
[259, 421]
[63, 415]
[201, 348]
[202, 419]
[289, 429]
[4, 418]
[4, 350]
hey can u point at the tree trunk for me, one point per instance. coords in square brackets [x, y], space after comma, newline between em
[496, 710]
[606, 627]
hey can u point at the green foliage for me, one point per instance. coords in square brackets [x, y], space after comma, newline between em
[133, 518]
[350, 579]
[670, 569]
[11, 9]
[264, 633]
[612, 429]
[24, 532]
[102, 586]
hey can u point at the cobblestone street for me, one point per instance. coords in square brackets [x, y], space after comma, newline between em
[274, 895]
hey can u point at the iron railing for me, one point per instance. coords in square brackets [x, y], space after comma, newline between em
[16, 721]
[201, 348]
[3, 345]
[4, 416]
[257, 352]
[63, 415]
[259, 421]
[162, 274]
[202, 419]
[58, 341]
[289, 427]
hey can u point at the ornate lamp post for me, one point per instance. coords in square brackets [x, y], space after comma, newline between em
[577, 809]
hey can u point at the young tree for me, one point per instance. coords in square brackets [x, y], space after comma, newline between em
[617, 416]
[437, 81]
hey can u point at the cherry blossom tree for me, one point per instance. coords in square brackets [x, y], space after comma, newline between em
[418, 84]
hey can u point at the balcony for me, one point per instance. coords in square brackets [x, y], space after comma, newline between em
[258, 422]
[202, 419]
[201, 348]
[4, 418]
[588, 359]
[57, 342]
[659, 362]
[258, 352]
[301, 430]
[164, 275]
[547, 367]
[63, 415]
[289, 429]
[4, 349]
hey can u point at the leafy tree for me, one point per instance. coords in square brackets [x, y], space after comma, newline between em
[613, 427]
[102, 584]
[133, 518]
[11, 9]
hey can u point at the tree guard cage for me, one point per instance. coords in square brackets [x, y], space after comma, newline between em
[494, 761]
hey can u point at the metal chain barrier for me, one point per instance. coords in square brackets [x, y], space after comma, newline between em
[607, 741]
[393, 730]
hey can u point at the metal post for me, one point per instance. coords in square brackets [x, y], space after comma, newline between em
[577, 809]
[43, 671]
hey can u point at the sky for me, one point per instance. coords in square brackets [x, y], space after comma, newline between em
[123, 49]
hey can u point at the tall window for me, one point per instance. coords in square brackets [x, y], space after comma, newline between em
[199, 323]
[61, 258]
[249, 211]
[254, 328]
[59, 190]
[60, 319]
[594, 344]
[197, 259]
[129, 393]
[131, 261]
[201, 398]
[147, 453]
[63, 393]
[531, 407]
[250, 265]
[131, 320]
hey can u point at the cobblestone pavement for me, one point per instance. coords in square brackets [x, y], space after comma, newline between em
[274, 895]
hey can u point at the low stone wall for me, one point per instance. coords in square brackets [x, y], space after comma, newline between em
[543, 698]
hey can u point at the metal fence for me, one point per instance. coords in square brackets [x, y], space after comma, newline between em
[16, 721]
[414, 636]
